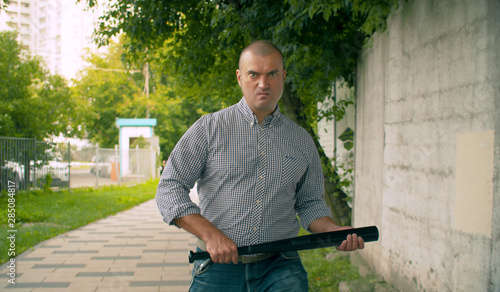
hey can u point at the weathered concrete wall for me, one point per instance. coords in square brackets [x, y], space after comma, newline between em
[427, 163]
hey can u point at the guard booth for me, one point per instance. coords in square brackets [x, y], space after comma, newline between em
[131, 129]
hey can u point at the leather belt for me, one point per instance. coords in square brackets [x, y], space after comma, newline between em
[244, 259]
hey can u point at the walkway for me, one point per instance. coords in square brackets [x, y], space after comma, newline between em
[130, 251]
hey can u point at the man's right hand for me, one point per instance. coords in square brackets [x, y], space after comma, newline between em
[221, 248]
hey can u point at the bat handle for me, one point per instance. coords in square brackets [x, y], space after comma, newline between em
[193, 256]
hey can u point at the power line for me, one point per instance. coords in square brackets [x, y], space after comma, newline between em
[115, 70]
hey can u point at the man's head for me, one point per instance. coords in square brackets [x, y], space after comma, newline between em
[261, 77]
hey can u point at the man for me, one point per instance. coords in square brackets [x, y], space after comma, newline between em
[256, 171]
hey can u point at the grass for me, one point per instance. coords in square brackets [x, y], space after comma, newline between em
[41, 215]
[325, 274]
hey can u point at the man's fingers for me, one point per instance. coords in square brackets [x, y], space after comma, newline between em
[342, 246]
[235, 258]
[224, 256]
[351, 243]
[361, 242]
[354, 245]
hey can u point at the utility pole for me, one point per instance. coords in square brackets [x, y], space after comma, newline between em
[145, 71]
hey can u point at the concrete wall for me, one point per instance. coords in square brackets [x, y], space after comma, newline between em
[427, 162]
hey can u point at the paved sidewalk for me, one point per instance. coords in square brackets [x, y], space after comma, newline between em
[131, 251]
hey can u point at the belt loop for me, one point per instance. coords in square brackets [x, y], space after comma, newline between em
[202, 245]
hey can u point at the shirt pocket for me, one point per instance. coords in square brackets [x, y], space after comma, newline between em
[292, 170]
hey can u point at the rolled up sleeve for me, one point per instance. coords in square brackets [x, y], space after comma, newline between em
[184, 166]
[310, 204]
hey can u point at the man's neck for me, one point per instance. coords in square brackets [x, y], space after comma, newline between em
[260, 117]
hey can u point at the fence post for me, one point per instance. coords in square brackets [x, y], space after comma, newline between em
[137, 158]
[152, 155]
[69, 166]
[117, 165]
[96, 166]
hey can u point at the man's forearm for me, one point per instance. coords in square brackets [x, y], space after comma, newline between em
[197, 225]
[323, 224]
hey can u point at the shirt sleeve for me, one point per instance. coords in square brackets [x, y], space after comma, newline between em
[310, 204]
[184, 166]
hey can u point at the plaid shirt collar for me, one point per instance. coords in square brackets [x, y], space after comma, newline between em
[250, 117]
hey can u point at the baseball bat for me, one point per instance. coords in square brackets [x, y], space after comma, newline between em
[312, 241]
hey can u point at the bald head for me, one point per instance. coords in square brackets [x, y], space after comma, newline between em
[261, 48]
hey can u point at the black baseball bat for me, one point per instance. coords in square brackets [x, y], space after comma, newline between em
[316, 240]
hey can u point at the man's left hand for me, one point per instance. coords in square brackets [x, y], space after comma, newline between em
[352, 242]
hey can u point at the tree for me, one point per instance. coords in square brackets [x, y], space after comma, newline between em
[113, 87]
[201, 41]
[108, 90]
[35, 104]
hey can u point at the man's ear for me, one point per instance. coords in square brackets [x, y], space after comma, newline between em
[238, 76]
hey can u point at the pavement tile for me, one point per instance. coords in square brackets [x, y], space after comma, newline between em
[131, 251]
[39, 277]
[94, 267]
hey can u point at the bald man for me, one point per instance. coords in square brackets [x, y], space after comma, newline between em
[256, 172]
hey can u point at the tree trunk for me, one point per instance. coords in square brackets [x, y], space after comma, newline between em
[293, 108]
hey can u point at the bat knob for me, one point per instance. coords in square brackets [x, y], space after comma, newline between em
[191, 256]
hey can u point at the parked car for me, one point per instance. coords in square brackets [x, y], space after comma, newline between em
[101, 166]
[58, 170]
[11, 171]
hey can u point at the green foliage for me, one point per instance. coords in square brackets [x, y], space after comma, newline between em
[108, 90]
[47, 183]
[201, 41]
[198, 44]
[35, 104]
[41, 215]
[140, 142]
[348, 138]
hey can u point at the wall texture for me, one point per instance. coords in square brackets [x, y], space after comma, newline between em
[427, 157]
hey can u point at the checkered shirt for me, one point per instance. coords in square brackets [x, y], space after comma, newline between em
[253, 180]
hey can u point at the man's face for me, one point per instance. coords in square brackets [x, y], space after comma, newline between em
[261, 79]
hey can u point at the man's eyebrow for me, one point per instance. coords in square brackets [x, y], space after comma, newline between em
[252, 71]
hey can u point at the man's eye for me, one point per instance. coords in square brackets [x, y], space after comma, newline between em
[253, 75]
[273, 74]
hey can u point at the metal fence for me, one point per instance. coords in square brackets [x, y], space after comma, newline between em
[34, 164]
[94, 166]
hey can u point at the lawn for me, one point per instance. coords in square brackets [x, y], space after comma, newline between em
[41, 215]
[325, 274]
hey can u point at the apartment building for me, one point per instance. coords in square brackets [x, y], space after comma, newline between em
[58, 31]
[17, 16]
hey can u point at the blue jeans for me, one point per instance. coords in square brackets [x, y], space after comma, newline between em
[283, 272]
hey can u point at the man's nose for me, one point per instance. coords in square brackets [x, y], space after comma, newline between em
[263, 82]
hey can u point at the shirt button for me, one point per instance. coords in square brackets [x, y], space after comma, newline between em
[261, 176]
[258, 201]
